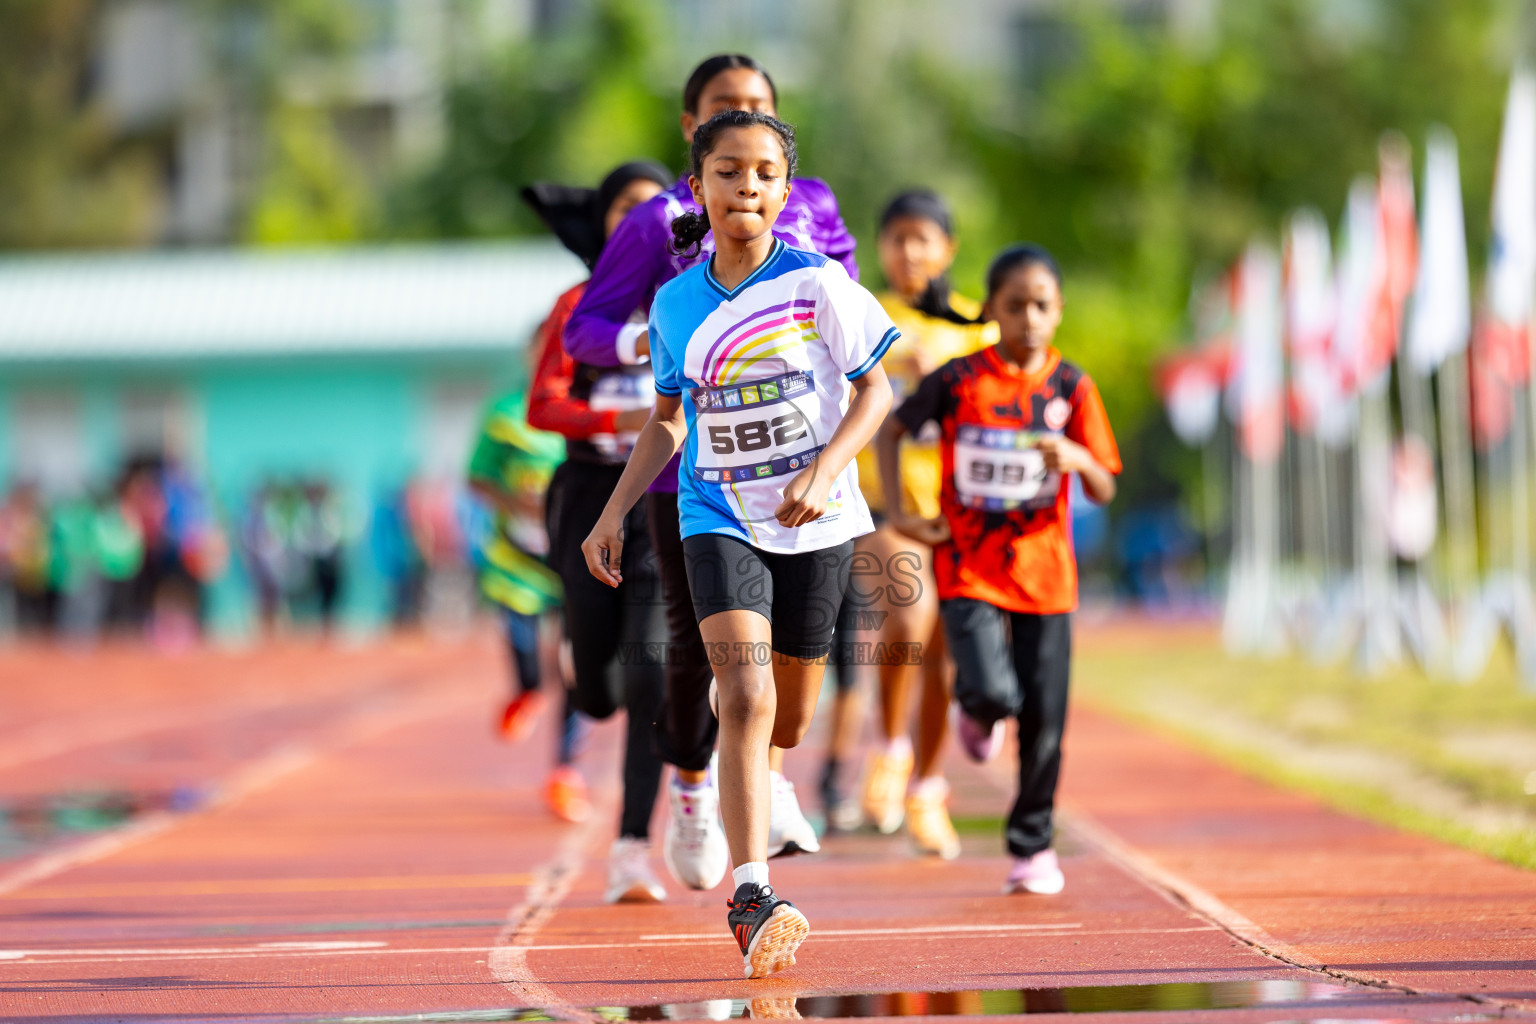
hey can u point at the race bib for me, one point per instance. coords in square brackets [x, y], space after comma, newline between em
[621, 392]
[1000, 469]
[756, 429]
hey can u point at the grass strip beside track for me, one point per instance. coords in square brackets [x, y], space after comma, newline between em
[1448, 760]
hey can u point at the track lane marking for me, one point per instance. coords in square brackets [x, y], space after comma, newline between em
[277, 950]
[507, 959]
[266, 885]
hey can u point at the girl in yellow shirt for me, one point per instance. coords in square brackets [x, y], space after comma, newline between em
[892, 609]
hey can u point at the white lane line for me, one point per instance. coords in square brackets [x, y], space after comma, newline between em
[508, 958]
[278, 950]
[1183, 893]
[937, 929]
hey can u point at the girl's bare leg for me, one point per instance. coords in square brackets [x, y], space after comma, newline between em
[747, 704]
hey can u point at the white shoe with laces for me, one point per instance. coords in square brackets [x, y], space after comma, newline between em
[788, 830]
[630, 878]
[694, 848]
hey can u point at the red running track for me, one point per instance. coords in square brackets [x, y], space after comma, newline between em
[345, 840]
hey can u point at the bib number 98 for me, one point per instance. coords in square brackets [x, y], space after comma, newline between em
[757, 435]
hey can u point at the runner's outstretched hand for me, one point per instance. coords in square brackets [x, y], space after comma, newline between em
[604, 551]
[932, 532]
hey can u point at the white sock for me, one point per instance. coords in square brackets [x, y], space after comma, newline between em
[931, 787]
[755, 871]
[899, 748]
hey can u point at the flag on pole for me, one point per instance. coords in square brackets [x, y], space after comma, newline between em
[1397, 258]
[1441, 323]
[1190, 382]
[1357, 287]
[1501, 345]
[1512, 263]
[1310, 307]
[1257, 391]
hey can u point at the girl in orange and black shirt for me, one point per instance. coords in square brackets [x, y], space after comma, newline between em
[1015, 419]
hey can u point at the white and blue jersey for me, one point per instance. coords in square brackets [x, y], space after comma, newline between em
[766, 367]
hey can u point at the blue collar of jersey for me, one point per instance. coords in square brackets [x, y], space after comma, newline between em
[731, 293]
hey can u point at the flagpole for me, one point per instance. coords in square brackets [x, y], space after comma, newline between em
[1457, 459]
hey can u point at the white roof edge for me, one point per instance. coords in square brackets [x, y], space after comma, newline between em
[201, 303]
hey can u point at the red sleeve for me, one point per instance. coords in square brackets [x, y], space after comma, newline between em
[1089, 427]
[550, 405]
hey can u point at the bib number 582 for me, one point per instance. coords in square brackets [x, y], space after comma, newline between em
[755, 435]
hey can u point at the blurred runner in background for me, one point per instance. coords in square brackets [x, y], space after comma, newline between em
[616, 636]
[893, 588]
[510, 468]
[1016, 420]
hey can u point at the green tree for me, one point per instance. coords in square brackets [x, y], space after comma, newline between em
[65, 181]
[565, 109]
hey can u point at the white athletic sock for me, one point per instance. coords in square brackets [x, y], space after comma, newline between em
[899, 748]
[931, 787]
[689, 787]
[755, 871]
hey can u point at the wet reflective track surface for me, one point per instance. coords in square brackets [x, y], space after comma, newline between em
[308, 834]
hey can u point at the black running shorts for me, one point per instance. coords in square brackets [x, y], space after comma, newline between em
[798, 594]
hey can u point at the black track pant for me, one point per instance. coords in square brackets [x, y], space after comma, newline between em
[1013, 665]
[617, 635]
[685, 728]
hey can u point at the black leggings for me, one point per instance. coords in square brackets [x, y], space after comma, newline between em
[685, 728]
[617, 635]
[1016, 665]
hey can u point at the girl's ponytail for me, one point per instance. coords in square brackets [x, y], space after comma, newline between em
[688, 233]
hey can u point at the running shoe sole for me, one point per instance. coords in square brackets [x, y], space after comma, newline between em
[1039, 887]
[773, 947]
[639, 892]
[790, 848]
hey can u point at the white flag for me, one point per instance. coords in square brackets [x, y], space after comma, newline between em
[1310, 308]
[1358, 268]
[1512, 264]
[1442, 304]
[1259, 381]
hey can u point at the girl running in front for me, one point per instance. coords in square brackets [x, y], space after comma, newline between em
[602, 331]
[598, 410]
[1015, 420]
[916, 247]
[779, 351]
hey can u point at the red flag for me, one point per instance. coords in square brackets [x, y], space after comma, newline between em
[1397, 257]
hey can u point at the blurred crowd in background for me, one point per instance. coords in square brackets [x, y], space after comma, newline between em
[135, 559]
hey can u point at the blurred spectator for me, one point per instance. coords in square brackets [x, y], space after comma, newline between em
[397, 557]
[318, 537]
[26, 559]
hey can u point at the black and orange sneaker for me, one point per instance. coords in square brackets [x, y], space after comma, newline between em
[768, 929]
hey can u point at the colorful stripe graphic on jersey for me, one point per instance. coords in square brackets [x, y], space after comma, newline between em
[767, 366]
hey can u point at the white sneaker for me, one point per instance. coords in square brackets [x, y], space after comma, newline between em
[788, 831]
[630, 879]
[694, 847]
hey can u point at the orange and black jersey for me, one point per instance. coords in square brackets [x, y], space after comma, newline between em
[1008, 515]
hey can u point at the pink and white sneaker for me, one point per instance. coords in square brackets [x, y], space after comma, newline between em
[1039, 874]
[979, 742]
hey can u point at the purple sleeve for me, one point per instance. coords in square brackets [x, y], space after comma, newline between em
[633, 265]
[832, 236]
